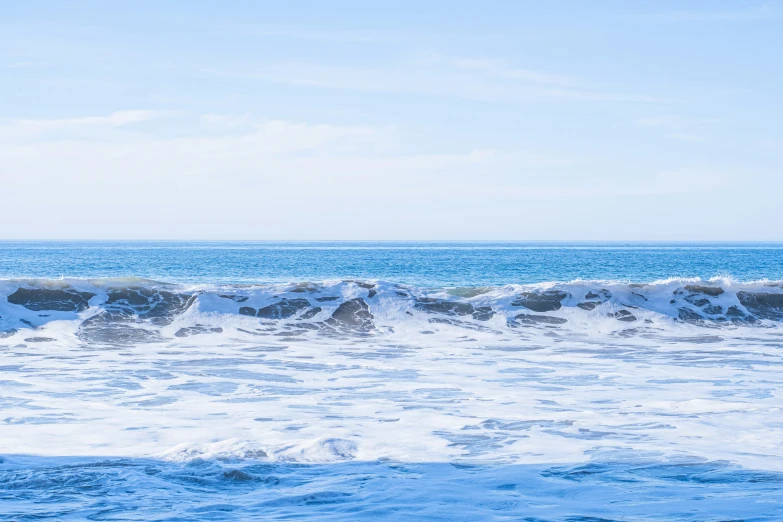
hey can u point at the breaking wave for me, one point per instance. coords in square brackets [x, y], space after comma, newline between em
[134, 310]
[587, 400]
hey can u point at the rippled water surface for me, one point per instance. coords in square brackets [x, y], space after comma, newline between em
[419, 263]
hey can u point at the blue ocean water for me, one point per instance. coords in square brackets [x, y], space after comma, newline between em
[419, 263]
[391, 380]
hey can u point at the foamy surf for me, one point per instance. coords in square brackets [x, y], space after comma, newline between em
[327, 399]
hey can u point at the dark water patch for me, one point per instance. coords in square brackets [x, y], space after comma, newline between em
[523, 425]
[712, 309]
[60, 300]
[353, 315]
[116, 327]
[689, 316]
[601, 295]
[584, 434]
[197, 330]
[483, 313]
[737, 316]
[235, 298]
[547, 301]
[130, 314]
[259, 333]
[524, 348]
[284, 309]
[264, 349]
[531, 319]
[291, 333]
[435, 306]
[697, 301]
[158, 306]
[763, 305]
[623, 315]
[712, 291]
[700, 339]
[312, 312]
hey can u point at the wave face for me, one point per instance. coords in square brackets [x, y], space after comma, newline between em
[589, 400]
[127, 311]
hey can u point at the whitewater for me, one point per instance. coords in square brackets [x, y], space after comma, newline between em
[131, 398]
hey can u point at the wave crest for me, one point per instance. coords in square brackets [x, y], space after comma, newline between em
[135, 310]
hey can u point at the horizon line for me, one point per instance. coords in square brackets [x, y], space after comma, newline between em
[552, 241]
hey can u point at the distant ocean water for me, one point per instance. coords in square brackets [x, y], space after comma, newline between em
[420, 263]
[391, 380]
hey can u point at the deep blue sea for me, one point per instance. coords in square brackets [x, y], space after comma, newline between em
[391, 381]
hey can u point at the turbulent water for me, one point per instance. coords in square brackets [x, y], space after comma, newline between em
[123, 398]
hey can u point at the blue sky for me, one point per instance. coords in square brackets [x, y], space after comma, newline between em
[399, 120]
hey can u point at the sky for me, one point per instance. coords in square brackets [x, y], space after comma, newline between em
[491, 120]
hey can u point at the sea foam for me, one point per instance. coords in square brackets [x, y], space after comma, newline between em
[283, 399]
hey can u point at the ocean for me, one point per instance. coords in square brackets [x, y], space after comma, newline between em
[391, 381]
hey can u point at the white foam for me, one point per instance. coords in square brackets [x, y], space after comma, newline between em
[512, 395]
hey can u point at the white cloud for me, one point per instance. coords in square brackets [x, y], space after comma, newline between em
[285, 180]
[273, 179]
[26, 128]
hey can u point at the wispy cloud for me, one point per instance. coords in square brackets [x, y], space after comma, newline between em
[474, 78]
[501, 69]
[22, 64]
[229, 139]
[666, 120]
[679, 128]
[27, 127]
[272, 168]
[345, 36]
[264, 178]
[283, 153]
[225, 121]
